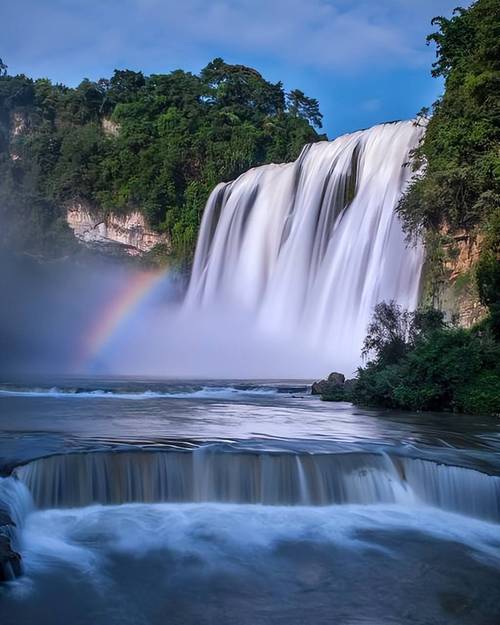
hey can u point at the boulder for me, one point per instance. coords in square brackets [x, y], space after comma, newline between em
[10, 560]
[334, 388]
[336, 379]
[320, 387]
[334, 382]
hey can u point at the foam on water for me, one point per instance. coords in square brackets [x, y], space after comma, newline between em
[209, 563]
[214, 532]
[205, 392]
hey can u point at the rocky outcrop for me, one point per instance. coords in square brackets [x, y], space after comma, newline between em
[19, 125]
[453, 288]
[334, 388]
[110, 128]
[131, 231]
[333, 382]
[10, 560]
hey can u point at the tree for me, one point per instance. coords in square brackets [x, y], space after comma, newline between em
[179, 135]
[242, 89]
[461, 186]
[388, 334]
[124, 86]
[420, 363]
[300, 105]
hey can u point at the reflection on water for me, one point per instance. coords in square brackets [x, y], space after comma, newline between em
[41, 418]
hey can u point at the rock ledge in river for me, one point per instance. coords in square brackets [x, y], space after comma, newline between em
[334, 388]
[334, 381]
[10, 560]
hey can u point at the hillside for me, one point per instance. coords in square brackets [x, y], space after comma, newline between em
[148, 148]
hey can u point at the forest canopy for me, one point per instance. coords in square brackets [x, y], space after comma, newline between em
[155, 143]
[461, 186]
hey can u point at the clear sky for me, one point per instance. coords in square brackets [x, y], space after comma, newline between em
[365, 60]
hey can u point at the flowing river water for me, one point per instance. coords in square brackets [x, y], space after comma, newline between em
[148, 502]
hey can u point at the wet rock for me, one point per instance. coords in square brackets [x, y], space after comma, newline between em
[336, 379]
[10, 560]
[319, 387]
[5, 519]
[334, 388]
[334, 382]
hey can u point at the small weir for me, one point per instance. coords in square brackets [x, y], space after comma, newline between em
[215, 474]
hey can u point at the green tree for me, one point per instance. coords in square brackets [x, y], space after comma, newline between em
[461, 186]
[301, 106]
[176, 136]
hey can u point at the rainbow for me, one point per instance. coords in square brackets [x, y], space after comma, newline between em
[119, 310]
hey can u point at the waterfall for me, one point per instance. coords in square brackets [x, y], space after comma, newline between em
[215, 474]
[308, 248]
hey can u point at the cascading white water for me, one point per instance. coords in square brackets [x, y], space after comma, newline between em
[210, 474]
[309, 248]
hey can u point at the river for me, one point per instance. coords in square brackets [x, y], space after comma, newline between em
[148, 501]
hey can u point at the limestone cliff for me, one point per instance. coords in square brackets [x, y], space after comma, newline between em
[109, 127]
[130, 231]
[19, 126]
[449, 275]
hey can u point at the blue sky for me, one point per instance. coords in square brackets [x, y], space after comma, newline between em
[365, 60]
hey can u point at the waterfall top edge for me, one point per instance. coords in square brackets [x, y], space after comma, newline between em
[355, 133]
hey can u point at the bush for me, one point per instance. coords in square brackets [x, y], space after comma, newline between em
[481, 395]
[433, 366]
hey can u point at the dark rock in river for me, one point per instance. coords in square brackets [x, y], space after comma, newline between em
[10, 560]
[334, 388]
[334, 382]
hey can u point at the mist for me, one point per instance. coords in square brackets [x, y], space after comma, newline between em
[49, 313]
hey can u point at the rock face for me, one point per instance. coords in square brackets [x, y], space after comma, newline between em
[110, 128]
[19, 126]
[130, 231]
[334, 381]
[10, 560]
[334, 388]
[463, 301]
[455, 290]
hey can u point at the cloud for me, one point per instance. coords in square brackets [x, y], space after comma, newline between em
[338, 35]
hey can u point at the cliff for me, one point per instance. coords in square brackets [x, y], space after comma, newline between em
[19, 124]
[449, 281]
[130, 231]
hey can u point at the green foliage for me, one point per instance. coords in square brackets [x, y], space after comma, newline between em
[393, 331]
[431, 366]
[155, 143]
[461, 186]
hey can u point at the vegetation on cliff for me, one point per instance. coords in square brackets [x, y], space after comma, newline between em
[460, 191]
[418, 361]
[155, 143]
